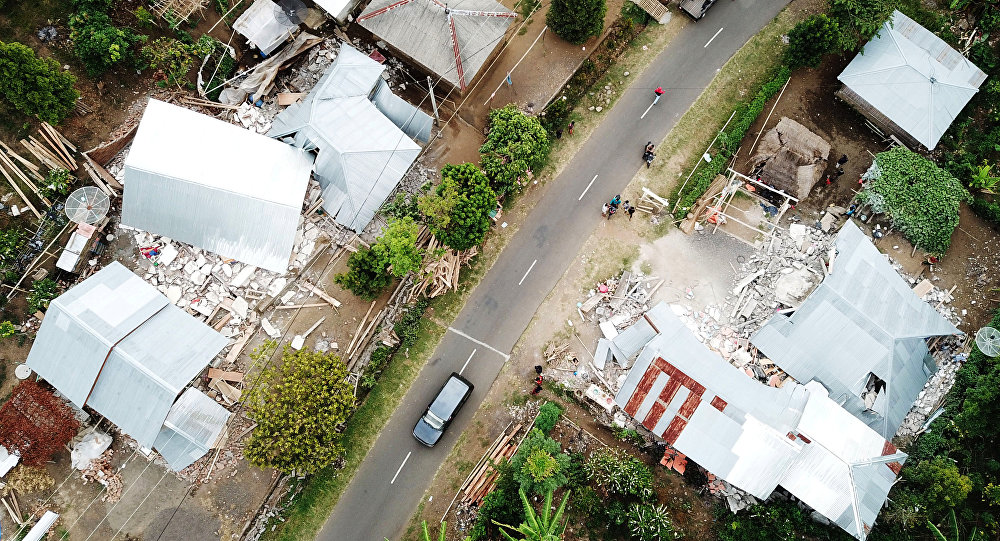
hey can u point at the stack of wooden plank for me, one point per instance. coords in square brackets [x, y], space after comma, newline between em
[484, 476]
[13, 172]
[56, 153]
[441, 273]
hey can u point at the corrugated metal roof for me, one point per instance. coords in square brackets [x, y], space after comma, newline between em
[421, 30]
[191, 428]
[116, 344]
[262, 28]
[362, 153]
[862, 319]
[914, 78]
[758, 437]
[214, 185]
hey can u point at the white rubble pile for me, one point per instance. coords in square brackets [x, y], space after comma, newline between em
[949, 359]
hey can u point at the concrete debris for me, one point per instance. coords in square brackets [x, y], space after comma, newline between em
[949, 352]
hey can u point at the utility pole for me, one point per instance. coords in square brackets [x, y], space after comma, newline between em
[430, 85]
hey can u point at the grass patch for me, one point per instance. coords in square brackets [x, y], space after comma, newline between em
[746, 71]
[305, 515]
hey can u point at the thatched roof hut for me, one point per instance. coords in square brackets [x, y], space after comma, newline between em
[791, 158]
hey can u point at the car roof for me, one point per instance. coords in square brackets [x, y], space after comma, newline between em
[450, 395]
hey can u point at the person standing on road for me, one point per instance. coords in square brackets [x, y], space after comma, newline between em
[659, 92]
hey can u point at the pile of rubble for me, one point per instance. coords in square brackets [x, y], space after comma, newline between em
[620, 302]
[101, 471]
[949, 354]
[736, 499]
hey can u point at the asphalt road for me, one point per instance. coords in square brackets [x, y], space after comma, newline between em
[393, 477]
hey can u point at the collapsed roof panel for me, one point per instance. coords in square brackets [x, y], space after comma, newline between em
[264, 26]
[191, 428]
[214, 185]
[862, 319]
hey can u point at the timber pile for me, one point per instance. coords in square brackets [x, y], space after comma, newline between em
[13, 508]
[441, 274]
[55, 153]
[484, 476]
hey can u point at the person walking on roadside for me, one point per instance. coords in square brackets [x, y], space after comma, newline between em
[631, 211]
[570, 128]
[538, 380]
[659, 92]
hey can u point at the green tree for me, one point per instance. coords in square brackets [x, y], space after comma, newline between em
[398, 247]
[516, 145]
[99, 44]
[42, 293]
[35, 86]
[537, 527]
[366, 274]
[576, 20]
[458, 210]
[938, 484]
[810, 40]
[298, 406]
[859, 20]
[540, 465]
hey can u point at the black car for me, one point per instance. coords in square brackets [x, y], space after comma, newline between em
[696, 8]
[442, 410]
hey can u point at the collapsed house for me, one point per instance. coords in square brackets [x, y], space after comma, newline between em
[265, 25]
[215, 186]
[758, 437]
[361, 134]
[790, 158]
[114, 343]
[861, 333]
[451, 45]
[909, 83]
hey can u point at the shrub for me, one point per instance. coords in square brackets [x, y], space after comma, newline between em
[35, 86]
[635, 14]
[99, 44]
[11, 242]
[620, 474]
[298, 406]
[938, 485]
[404, 205]
[548, 416]
[56, 183]
[539, 464]
[576, 20]
[7, 329]
[408, 326]
[921, 198]
[810, 40]
[101, 6]
[772, 521]
[175, 58]
[458, 212]
[42, 293]
[650, 523]
[502, 505]
[515, 146]
[377, 362]
[986, 210]
[144, 17]
[35, 424]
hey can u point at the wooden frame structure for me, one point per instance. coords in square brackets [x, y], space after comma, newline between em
[740, 183]
[179, 10]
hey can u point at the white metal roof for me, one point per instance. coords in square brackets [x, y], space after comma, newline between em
[758, 437]
[214, 185]
[863, 318]
[115, 343]
[914, 78]
[192, 426]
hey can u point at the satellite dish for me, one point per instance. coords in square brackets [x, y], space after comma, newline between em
[87, 205]
[22, 371]
[988, 341]
[290, 12]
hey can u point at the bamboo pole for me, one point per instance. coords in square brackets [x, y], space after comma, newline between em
[21, 193]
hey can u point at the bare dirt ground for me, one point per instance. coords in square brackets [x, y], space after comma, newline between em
[975, 251]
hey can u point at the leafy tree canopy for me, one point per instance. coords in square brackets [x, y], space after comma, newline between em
[516, 145]
[940, 484]
[810, 40]
[576, 20]
[398, 247]
[35, 86]
[458, 210]
[921, 198]
[298, 406]
[859, 20]
[539, 464]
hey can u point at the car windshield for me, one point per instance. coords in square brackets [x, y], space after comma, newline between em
[433, 420]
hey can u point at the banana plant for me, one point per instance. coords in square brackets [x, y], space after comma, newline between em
[983, 179]
[952, 529]
[538, 527]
